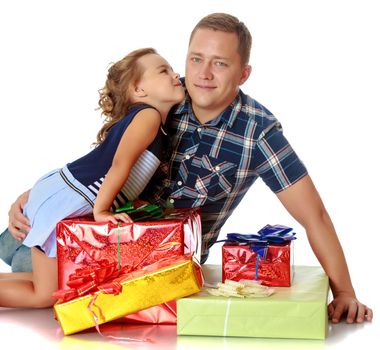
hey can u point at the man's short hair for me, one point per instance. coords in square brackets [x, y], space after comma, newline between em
[230, 24]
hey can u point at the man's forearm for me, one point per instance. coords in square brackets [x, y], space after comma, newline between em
[326, 246]
[18, 224]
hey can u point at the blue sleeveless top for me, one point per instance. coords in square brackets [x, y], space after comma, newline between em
[91, 169]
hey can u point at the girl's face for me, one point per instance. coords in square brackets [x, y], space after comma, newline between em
[159, 83]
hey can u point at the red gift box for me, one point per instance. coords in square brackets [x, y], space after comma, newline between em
[81, 242]
[240, 262]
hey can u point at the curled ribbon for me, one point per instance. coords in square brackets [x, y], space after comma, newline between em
[90, 307]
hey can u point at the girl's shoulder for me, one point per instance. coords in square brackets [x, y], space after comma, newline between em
[137, 107]
[150, 114]
[133, 110]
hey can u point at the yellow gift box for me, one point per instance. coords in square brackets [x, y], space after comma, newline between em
[140, 290]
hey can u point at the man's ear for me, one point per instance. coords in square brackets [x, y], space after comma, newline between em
[245, 74]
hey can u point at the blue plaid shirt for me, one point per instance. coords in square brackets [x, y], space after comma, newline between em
[213, 165]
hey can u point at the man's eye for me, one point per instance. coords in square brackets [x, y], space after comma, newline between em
[164, 71]
[220, 64]
[195, 59]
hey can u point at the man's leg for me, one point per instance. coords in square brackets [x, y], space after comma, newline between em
[14, 253]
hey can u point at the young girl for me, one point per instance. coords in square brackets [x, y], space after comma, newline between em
[139, 92]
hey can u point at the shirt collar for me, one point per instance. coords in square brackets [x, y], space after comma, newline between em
[230, 114]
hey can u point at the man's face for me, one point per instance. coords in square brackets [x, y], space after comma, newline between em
[213, 72]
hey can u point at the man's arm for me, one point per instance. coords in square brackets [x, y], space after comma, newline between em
[303, 202]
[18, 224]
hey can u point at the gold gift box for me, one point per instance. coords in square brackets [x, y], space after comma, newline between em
[140, 290]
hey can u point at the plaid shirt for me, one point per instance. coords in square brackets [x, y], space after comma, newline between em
[213, 165]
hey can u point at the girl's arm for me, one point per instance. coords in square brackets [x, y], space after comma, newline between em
[304, 203]
[137, 137]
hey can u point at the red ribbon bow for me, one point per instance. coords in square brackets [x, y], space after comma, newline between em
[90, 279]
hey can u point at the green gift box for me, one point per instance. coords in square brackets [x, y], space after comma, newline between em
[299, 311]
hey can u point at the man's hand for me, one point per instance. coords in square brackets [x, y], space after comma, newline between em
[347, 305]
[18, 223]
[114, 218]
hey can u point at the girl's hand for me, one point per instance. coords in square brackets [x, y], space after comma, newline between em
[113, 217]
[345, 304]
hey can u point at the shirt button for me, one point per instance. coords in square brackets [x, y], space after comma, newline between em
[187, 156]
[199, 129]
[171, 200]
[217, 168]
[179, 183]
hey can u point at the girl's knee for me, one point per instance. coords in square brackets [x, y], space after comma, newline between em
[42, 301]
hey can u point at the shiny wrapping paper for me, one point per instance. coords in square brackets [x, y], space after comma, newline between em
[152, 285]
[239, 262]
[299, 311]
[81, 242]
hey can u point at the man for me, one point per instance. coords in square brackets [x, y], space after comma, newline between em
[222, 141]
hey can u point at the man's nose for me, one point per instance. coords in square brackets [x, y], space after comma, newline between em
[205, 71]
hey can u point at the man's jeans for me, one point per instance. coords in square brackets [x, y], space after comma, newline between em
[14, 253]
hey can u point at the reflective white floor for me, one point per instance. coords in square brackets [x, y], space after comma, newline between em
[22, 327]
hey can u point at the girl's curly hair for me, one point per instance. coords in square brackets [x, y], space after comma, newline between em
[114, 97]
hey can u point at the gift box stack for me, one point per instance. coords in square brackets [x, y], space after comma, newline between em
[296, 309]
[106, 271]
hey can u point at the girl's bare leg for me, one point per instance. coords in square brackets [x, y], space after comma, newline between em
[16, 275]
[34, 293]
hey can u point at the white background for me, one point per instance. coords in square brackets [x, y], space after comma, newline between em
[315, 66]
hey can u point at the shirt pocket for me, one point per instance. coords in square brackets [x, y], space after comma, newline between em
[216, 178]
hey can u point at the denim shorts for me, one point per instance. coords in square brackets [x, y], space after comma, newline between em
[14, 253]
